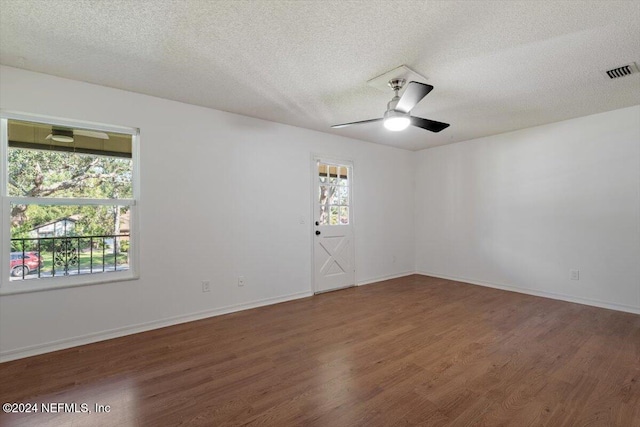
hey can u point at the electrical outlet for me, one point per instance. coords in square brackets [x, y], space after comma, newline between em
[575, 274]
[206, 286]
[241, 281]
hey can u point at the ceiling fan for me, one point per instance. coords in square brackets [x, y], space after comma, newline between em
[66, 135]
[398, 117]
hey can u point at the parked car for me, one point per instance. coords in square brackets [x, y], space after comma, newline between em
[23, 264]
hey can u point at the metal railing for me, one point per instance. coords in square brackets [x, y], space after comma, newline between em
[68, 255]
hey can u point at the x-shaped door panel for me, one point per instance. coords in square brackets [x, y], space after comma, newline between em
[336, 256]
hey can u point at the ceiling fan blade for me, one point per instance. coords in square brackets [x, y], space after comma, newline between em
[431, 125]
[356, 123]
[413, 94]
[90, 133]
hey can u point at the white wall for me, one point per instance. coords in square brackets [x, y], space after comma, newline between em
[516, 211]
[520, 210]
[222, 196]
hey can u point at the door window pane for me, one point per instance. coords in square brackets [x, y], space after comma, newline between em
[323, 219]
[334, 195]
[344, 196]
[333, 219]
[344, 215]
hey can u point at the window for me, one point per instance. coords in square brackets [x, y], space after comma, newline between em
[333, 197]
[69, 194]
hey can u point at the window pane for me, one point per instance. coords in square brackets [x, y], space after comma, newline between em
[342, 176]
[333, 175]
[333, 219]
[324, 215]
[323, 195]
[68, 240]
[334, 195]
[344, 195]
[344, 215]
[91, 164]
[322, 173]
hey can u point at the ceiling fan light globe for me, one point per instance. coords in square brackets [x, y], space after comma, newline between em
[62, 138]
[396, 123]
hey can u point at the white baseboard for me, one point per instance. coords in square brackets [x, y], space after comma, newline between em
[20, 353]
[545, 294]
[380, 279]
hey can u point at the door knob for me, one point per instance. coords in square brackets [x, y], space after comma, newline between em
[317, 222]
[317, 232]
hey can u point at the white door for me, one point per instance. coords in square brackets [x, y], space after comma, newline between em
[333, 248]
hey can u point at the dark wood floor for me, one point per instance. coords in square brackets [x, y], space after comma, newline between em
[410, 351]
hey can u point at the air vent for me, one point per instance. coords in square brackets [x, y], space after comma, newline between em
[622, 71]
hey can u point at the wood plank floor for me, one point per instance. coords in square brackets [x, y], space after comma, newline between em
[409, 351]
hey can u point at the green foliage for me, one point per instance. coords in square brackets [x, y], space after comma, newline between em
[41, 173]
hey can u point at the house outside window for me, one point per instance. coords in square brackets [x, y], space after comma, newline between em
[57, 228]
[69, 196]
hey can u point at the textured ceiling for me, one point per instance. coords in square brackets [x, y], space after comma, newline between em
[496, 65]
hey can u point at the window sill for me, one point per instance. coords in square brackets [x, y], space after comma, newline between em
[53, 283]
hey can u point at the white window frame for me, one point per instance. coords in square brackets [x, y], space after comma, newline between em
[8, 287]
